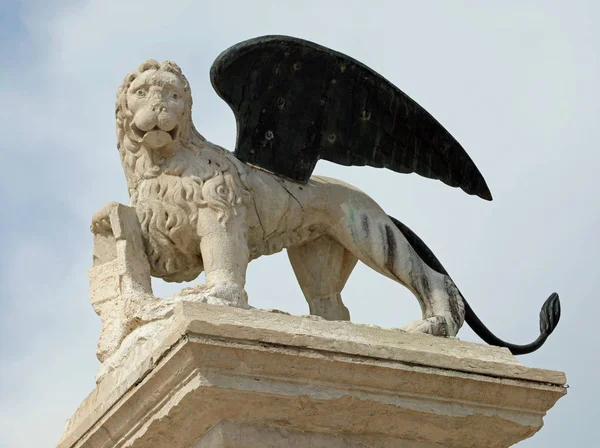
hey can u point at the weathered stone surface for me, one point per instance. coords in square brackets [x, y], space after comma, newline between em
[307, 380]
[232, 435]
[120, 286]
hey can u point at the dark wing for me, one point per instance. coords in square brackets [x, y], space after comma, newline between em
[296, 102]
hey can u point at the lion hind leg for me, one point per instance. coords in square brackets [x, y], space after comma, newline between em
[322, 267]
[380, 243]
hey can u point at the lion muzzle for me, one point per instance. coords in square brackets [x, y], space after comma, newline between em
[155, 130]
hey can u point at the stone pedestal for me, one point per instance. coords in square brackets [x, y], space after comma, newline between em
[225, 377]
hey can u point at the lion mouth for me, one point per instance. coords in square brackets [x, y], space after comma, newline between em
[140, 134]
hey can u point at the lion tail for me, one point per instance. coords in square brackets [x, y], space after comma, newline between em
[549, 315]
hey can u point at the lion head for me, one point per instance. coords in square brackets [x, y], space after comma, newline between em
[154, 112]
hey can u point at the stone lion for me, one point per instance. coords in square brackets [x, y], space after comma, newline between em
[202, 209]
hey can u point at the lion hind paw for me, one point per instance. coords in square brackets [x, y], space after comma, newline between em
[435, 326]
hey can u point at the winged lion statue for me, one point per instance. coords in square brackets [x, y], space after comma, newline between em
[203, 208]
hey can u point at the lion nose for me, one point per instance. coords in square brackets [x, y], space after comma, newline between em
[167, 122]
[146, 120]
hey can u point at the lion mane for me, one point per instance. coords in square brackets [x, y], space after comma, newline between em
[168, 195]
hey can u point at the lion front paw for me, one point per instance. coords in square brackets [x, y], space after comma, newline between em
[225, 294]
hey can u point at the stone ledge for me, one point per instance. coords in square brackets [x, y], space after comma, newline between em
[230, 435]
[360, 384]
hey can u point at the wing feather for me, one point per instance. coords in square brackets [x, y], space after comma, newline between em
[296, 102]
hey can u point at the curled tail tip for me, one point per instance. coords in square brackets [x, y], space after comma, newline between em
[550, 314]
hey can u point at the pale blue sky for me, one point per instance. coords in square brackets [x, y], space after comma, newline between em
[515, 81]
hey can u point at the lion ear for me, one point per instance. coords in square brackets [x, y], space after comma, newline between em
[172, 67]
[150, 64]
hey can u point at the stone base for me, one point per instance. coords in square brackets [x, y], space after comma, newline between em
[240, 435]
[226, 377]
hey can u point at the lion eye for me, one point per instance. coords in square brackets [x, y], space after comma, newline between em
[141, 92]
[174, 96]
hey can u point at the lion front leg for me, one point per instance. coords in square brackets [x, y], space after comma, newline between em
[225, 256]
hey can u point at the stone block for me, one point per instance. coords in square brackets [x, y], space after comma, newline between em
[228, 377]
